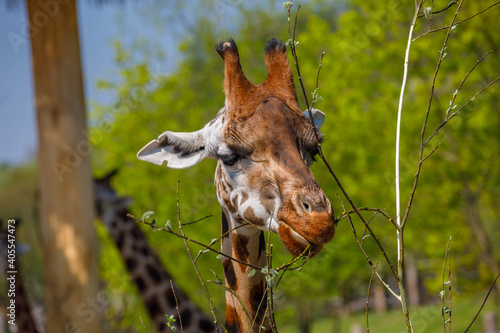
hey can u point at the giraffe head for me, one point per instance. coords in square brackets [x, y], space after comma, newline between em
[264, 145]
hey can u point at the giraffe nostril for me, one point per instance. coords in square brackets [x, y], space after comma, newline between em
[304, 204]
[306, 207]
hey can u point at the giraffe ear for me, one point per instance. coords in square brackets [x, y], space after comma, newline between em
[182, 150]
[318, 117]
[179, 150]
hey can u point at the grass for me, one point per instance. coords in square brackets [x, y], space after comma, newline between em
[425, 318]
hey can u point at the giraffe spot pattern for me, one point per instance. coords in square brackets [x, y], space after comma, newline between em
[250, 216]
[258, 295]
[225, 225]
[140, 284]
[206, 326]
[136, 234]
[230, 274]
[186, 316]
[153, 273]
[120, 239]
[153, 306]
[244, 197]
[232, 322]
[131, 264]
[169, 296]
[240, 246]
[262, 244]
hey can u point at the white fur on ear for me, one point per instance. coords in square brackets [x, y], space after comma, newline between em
[179, 150]
[182, 150]
[318, 117]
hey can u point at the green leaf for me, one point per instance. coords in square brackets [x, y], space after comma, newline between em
[147, 215]
[168, 225]
[170, 319]
[252, 273]
[427, 12]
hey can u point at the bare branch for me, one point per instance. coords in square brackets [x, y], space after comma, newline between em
[443, 311]
[368, 298]
[215, 314]
[424, 125]
[456, 23]
[482, 305]
[176, 305]
[320, 150]
[140, 317]
[441, 10]
[374, 268]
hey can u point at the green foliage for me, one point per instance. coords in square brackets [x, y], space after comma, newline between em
[18, 200]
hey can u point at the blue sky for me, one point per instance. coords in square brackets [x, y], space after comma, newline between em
[17, 113]
[99, 25]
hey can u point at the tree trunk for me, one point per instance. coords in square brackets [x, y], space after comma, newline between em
[66, 202]
[379, 297]
[412, 280]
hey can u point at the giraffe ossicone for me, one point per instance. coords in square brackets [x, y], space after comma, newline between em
[264, 145]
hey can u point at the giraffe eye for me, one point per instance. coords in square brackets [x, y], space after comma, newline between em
[229, 160]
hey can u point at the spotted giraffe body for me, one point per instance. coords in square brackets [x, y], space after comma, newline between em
[264, 145]
[152, 280]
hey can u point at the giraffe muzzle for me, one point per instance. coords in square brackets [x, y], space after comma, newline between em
[306, 219]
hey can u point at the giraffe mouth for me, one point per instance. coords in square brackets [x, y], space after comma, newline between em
[295, 243]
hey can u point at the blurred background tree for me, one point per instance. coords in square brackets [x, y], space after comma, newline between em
[458, 195]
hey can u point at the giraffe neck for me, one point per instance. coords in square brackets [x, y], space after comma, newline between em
[152, 280]
[246, 300]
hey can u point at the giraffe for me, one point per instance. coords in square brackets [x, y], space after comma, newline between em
[152, 280]
[264, 145]
[24, 321]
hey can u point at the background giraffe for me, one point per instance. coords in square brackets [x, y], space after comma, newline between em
[149, 275]
[152, 280]
[264, 145]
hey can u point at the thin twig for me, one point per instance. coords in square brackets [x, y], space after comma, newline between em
[320, 150]
[207, 247]
[368, 298]
[441, 10]
[449, 294]
[456, 113]
[400, 223]
[386, 285]
[424, 125]
[482, 305]
[176, 304]
[378, 210]
[364, 232]
[199, 220]
[247, 316]
[216, 240]
[140, 317]
[443, 311]
[215, 314]
[456, 23]
[455, 94]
